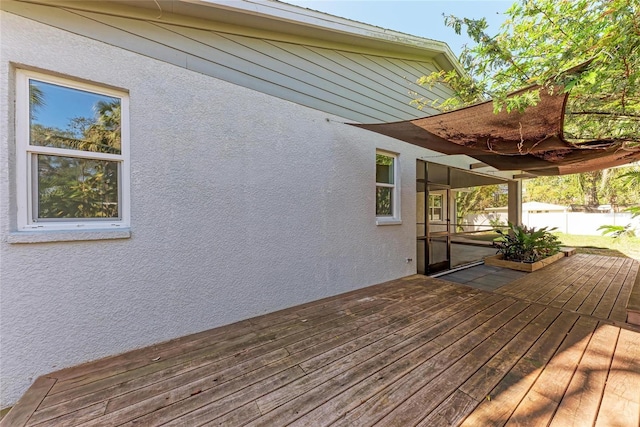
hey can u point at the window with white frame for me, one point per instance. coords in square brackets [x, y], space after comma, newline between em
[386, 186]
[72, 154]
[435, 207]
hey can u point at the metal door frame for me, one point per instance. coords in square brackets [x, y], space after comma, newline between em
[446, 235]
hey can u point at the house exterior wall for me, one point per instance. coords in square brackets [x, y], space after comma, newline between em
[241, 204]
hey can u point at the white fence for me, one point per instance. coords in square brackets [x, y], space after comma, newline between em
[580, 223]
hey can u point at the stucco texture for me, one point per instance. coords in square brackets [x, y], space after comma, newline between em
[241, 204]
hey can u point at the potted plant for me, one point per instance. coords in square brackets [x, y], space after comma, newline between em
[526, 249]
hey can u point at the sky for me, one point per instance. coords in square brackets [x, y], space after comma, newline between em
[61, 104]
[421, 18]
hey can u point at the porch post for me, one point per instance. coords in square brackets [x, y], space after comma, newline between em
[515, 201]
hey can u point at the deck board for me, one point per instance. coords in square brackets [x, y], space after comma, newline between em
[560, 274]
[192, 357]
[541, 401]
[621, 401]
[548, 348]
[598, 286]
[480, 384]
[448, 329]
[619, 311]
[574, 280]
[606, 304]
[502, 400]
[432, 394]
[581, 401]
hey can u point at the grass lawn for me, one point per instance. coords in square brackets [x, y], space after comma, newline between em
[628, 247]
[487, 236]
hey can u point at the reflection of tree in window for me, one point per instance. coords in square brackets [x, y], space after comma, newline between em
[384, 185]
[70, 186]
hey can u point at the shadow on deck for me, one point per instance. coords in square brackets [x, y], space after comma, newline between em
[550, 347]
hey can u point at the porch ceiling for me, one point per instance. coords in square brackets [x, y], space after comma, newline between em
[531, 141]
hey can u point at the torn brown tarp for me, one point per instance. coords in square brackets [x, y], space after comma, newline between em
[530, 141]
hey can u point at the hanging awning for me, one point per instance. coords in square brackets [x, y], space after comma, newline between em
[530, 141]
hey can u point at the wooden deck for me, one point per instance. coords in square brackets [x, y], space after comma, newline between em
[592, 285]
[550, 348]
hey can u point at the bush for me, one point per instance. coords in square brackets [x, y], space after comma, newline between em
[523, 244]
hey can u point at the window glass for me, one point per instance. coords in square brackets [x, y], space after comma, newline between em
[384, 201]
[70, 187]
[72, 163]
[64, 117]
[387, 206]
[384, 169]
[435, 207]
[437, 174]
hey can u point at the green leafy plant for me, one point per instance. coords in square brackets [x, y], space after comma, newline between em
[617, 231]
[524, 244]
[496, 221]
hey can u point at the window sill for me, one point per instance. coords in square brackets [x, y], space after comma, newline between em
[388, 221]
[45, 236]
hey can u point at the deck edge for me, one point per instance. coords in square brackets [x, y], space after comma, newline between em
[30, 401]
[633, 305]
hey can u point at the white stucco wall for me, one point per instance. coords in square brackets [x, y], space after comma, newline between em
[242, 204]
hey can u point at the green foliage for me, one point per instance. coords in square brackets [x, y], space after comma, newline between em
[383, 202]
[76, 187]
[617, 231]
[36, 99]
[635, 211]
[562, 190]
[496, 222]
[630, 179]
[478, 199]
[541, 43]
[524, 244]
[609, 186]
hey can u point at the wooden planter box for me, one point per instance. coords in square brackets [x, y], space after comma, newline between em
[497, 261]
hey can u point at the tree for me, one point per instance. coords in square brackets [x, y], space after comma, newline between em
[541, 44]
[562, 190]
[608, 186]
[630, 179]
[588, 48]
[477, 199]
[77, 187]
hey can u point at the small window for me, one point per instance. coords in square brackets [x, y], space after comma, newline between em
[387, 203]
[71, 159]
[435, 207]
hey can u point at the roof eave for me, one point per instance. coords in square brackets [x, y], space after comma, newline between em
[273, 15]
